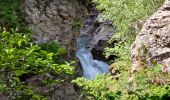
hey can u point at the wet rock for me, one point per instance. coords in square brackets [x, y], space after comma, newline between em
[94, 34]
[152, 44]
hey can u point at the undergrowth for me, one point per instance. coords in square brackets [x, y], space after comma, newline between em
[12, 16]
[20, 57]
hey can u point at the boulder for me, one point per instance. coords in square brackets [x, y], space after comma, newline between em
[152, 44]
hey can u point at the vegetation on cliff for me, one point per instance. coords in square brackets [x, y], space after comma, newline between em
[20, 57]
[149, 83]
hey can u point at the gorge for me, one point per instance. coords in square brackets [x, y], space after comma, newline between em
[85, 49]
[74, 29]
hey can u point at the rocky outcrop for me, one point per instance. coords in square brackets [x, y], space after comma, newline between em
[152, 44]
[55, 20]
[65, 20]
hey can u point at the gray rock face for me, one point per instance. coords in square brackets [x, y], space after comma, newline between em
[152, 44]
[54, 19]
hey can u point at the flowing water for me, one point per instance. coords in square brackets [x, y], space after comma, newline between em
[90, 34]
[90, 66]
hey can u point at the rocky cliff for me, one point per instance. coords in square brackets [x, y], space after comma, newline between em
[71, 23]
[63, 21]
[152, 44]
[59, 21]
[55, 20]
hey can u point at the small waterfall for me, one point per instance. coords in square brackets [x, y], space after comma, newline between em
[90, 34]
[90, 66]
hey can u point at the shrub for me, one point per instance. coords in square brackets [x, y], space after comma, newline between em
[54, 47]
[148, 84]
[124, 12]
[77, 24]
[95, 89]
[11, 15]
[19, 56]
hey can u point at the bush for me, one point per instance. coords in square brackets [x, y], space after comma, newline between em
[96, 89]
[54, 47]
[124, 12]
[148, 84]
[19, 56]
[11, 15]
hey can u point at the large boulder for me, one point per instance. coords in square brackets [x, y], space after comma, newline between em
[152, 44]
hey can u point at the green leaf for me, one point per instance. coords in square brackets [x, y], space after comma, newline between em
[19, 72]
[49, 55]
[16, 79]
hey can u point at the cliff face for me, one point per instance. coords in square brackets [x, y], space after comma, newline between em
[63, 21]
[55, 20]
[152, 44]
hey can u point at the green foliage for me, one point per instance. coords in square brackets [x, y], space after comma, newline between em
[96, 89]
[52, 47]
[19, 56]
[148, 84]
[56, 49]
[77, 24]
[121, 49]
[124, 12]
[11, 15]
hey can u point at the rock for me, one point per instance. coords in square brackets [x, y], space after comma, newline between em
[94, 34]
[62, 93]
[152, 44]
[53, 91]
[165, 68]
[53, 20]
[3, 97]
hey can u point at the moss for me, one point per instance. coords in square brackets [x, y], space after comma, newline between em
[78, 24]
